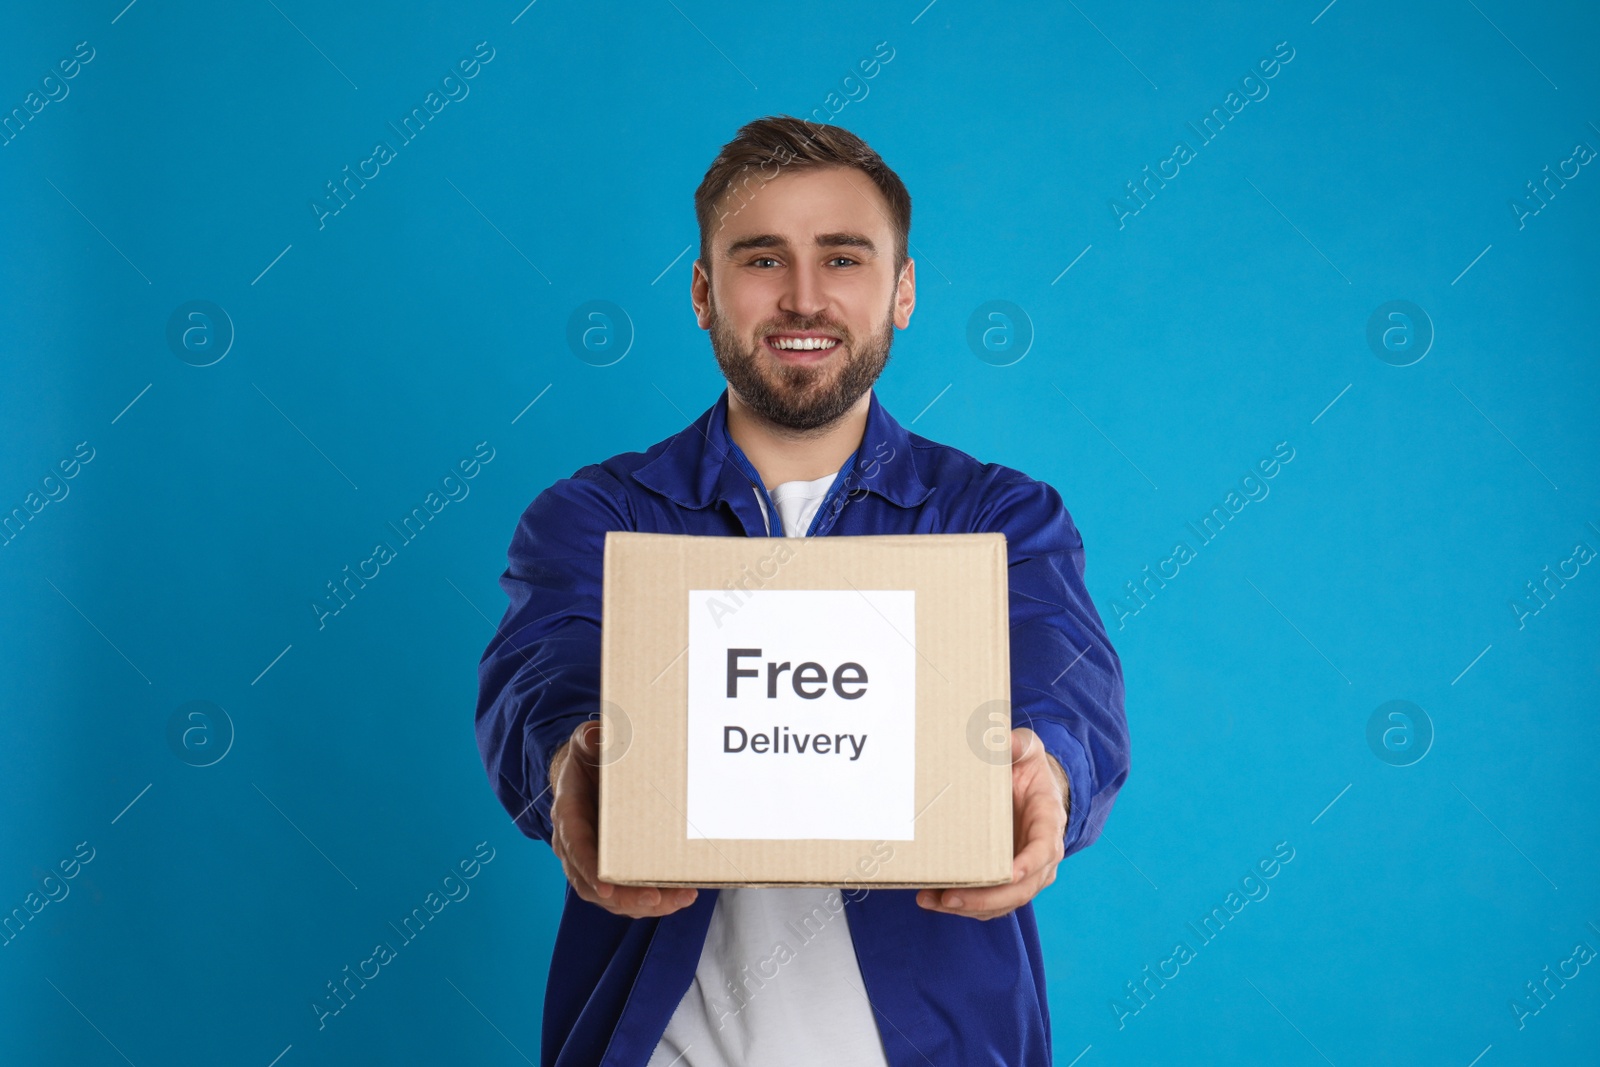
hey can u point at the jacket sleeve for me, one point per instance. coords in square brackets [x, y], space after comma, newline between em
[540, 676]
[1066, 679]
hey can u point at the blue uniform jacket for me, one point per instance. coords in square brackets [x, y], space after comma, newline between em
[944, 989]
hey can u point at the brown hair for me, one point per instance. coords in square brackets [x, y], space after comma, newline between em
[763, 149]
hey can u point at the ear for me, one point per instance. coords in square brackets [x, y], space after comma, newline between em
[700, 295]
[905, 297]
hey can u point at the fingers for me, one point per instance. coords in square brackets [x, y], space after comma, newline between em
[575, 846]
[1025, 744]
[974, 903]
[1038, 856]
[645, 901]
[586, 742]
[1041, 824]
[574, 817]
[1033, 868]
[634, 902]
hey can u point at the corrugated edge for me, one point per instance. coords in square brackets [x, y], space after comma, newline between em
[605, 815]
[1002, 849]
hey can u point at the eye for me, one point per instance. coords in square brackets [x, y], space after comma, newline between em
[846, 260]
[762, 259]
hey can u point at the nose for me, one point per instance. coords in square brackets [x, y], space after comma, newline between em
[803, 296]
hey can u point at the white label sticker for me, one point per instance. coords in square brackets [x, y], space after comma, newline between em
[802, 714]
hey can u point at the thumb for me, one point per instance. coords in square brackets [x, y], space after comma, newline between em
[586, 742]
[1024, 743]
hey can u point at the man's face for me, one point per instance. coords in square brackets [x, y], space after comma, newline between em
[802, 302]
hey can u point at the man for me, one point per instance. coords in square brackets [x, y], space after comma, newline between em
[803, 277]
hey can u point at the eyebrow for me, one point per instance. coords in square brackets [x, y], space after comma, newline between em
[823, 240]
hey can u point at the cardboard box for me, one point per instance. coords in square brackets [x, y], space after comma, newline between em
[805, 711]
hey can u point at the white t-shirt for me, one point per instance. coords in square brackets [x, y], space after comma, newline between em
[777, 983]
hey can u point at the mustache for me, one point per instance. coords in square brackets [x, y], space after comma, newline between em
[818, 325]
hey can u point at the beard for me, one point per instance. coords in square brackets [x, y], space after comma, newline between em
[799, 397]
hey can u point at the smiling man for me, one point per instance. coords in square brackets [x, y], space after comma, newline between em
[803, 278]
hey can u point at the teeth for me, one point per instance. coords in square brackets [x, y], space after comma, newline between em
[803, 344]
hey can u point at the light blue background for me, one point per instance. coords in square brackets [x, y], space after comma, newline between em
[425, 317]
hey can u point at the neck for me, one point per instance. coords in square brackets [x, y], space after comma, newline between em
[780, 454]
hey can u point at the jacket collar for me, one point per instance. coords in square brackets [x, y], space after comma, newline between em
[701, 463]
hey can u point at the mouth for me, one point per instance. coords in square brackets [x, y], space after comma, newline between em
[808, 346]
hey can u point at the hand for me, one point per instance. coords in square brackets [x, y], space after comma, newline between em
[1039, 808]
[574, 815]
